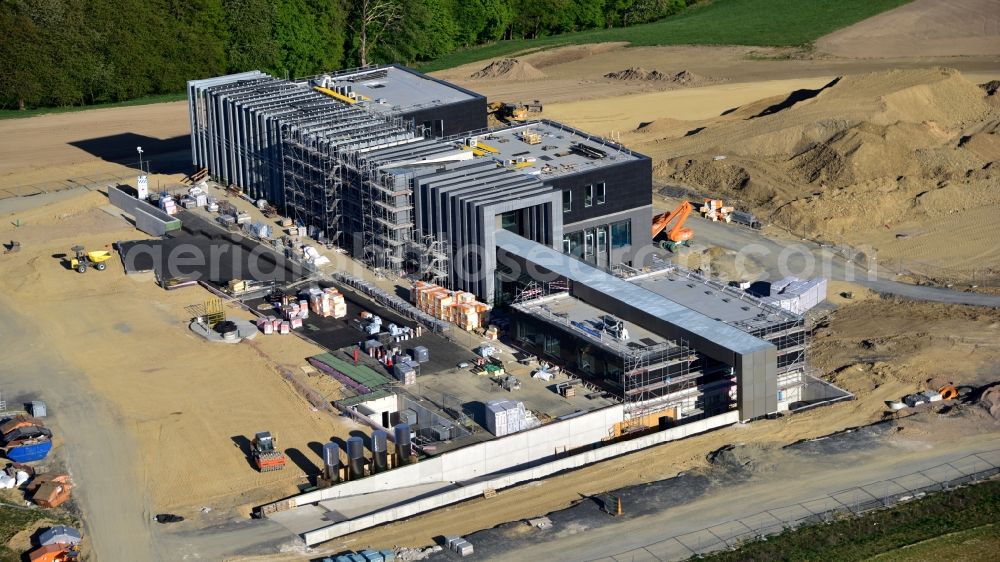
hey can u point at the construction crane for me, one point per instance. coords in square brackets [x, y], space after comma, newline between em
[678, 235]
[266, 456]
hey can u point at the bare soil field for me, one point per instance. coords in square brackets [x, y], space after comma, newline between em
[838, 163]
[921, 28]
[86, 143]
[186, 402]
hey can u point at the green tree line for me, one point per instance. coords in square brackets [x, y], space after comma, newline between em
[81, 52]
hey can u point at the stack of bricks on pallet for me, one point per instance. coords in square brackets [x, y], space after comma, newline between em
[327, 302]
[458, 307]
[459, 545]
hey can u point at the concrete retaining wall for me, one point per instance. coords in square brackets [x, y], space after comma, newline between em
[474, 489]
[524, 448]
[148, 218]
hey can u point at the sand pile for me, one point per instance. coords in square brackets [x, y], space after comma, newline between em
[848, 159]
[637, 73]
[991, 401]
[509, 69]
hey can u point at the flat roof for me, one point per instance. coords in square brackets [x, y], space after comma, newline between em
[630, 295]
[394, 89]
[559, 151]
[585, 320]
[713, 299]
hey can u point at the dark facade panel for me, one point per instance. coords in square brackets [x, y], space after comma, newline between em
[628, 185]
[451, 119]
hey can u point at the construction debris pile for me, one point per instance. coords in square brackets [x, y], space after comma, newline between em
[458, 307]
[25, 439]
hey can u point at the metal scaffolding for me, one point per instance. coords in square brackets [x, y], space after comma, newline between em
[652, 372]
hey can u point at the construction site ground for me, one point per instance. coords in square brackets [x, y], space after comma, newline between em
[145, 414]
[149, 417]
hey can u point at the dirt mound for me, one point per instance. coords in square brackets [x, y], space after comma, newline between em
[740, 457]
[991, 401]
[509, 69]
[847, 161]
[637, 73]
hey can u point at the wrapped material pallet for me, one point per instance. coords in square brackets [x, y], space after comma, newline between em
[504, 417]
[458, 307]
[328, 303]
[404, 372]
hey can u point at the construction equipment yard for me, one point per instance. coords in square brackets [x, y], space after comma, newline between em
[180, 447]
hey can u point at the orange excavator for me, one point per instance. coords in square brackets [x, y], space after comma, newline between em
[678, 235]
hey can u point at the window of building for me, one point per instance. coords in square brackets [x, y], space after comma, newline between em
[588, 243]
[573, 244]
[587, 361]
[528, 333]
[588, 197]
[621, 234]
[552, 346]
[567, 201]
[511, 221]
[599, 193]
[602, 239]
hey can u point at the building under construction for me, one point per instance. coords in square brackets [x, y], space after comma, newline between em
[538, 214]
[671, 343]
[368, 160]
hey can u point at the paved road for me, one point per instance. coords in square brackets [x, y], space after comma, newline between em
[798, 484]
[781, 258]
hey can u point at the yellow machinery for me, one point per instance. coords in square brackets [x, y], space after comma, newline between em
[509, 111]
[335, 95]
[98, 259]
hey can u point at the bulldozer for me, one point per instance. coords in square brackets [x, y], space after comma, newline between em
[266, 456]
[513, 112]
[679, 235]
[96, 259]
